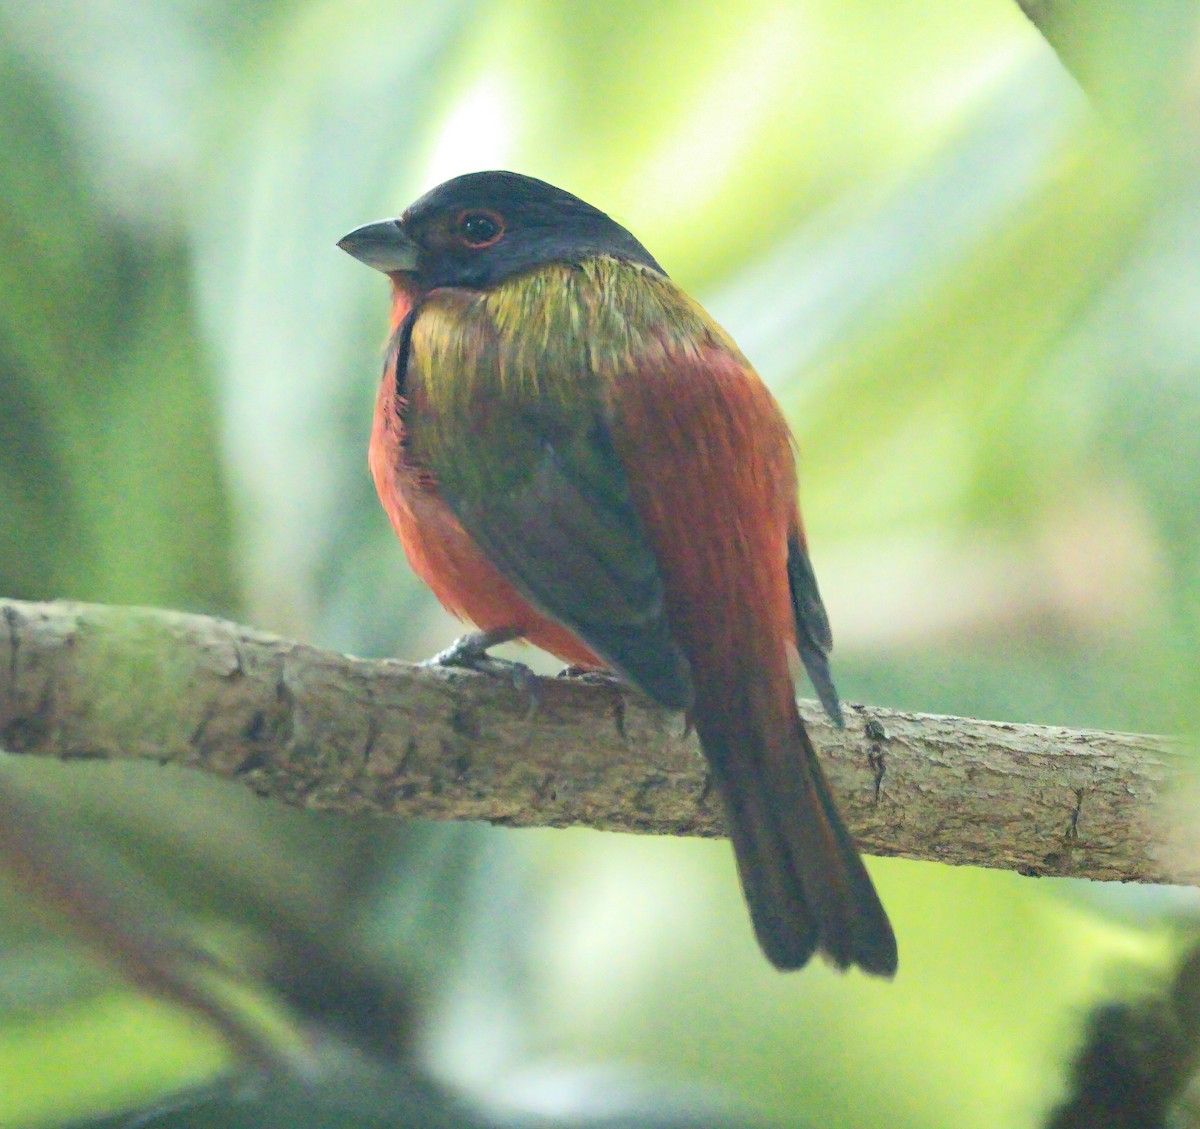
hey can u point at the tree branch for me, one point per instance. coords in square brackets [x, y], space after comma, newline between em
[322, 730]
[1058, 21]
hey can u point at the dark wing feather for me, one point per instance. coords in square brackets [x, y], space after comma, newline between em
[566, 533]
[814, 640]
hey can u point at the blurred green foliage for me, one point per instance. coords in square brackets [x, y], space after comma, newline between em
[974, 292]
[104, 397]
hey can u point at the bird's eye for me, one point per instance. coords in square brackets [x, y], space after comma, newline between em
[480, 229]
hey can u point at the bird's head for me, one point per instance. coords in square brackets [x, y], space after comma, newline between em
[476, 230]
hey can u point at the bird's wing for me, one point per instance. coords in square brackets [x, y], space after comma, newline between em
[567, 535]
[526, 463]
[814, 640]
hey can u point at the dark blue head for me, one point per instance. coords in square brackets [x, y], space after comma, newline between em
[476, 230]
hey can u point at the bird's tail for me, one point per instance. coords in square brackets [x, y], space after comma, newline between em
[804, 882]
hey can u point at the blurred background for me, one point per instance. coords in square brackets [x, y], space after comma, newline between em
[971, 275]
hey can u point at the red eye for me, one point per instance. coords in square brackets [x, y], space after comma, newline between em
[480, 229]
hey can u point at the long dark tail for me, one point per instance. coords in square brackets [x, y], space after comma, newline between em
[805, 884]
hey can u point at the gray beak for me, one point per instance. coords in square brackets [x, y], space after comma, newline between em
[382, 245]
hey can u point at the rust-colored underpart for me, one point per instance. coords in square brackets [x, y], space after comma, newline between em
[708, 458]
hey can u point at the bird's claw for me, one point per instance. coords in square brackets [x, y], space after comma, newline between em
[470, 652]
[593, 676]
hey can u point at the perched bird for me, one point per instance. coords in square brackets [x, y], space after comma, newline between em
[573, 452]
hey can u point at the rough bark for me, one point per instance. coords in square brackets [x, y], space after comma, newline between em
[322, 730]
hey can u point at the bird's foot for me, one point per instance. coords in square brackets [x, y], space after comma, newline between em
[470, 652]
[593, 676]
